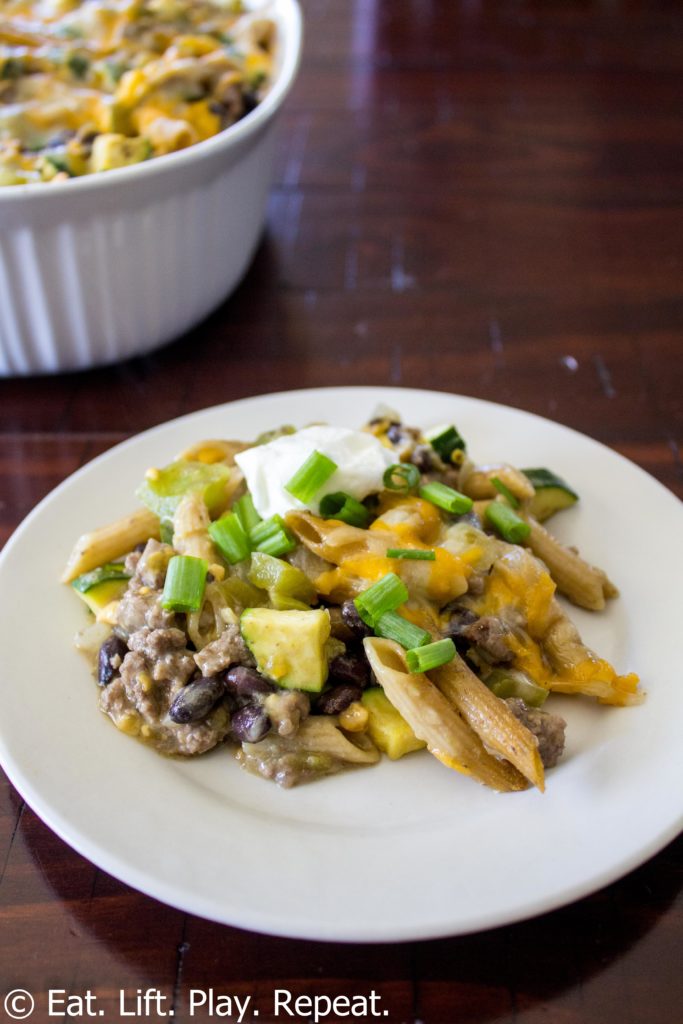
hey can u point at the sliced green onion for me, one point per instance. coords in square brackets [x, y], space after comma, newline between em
[342, 506]
[401, 476]
[505, 491]
[446, 498]
[384, 596]
[310, 477]
[111, 571]
[506, 522]
[422, 659]
[184, 585]
[246, 513]
[230, 538]
[393, 626]
[419, 554]
[272, 536]
[446, 440]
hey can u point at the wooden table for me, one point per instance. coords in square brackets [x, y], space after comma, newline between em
[477, 197]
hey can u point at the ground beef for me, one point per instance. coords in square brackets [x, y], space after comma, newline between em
[136, 610]
[548, 728]
[489, 635]
[152, 674]
[151, 567]
[131, 562]
[165, 652]
[141, 605]
[228, 649]
[287, 709]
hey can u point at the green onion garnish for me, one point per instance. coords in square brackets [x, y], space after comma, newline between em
[384, 596]
[184, 585]
[393, 626]
[422, 659]
[310, 477]
[246, 513]
[272, 536]
[506, 522]
[230, 538]
[446, 440]
[419, 554]
[342, 506]
[446, 498]
[505, 491]
[401, 476]
[111, 571]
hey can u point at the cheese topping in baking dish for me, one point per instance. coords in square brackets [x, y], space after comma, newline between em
[89, 85]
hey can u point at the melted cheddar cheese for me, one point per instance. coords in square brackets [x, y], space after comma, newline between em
[90, 86]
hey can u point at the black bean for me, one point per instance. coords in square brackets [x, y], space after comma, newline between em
[112, 653]
[250, 724]
[353, 620]
[350, 668]
[196, 700]
[246, 682]
[337, 699]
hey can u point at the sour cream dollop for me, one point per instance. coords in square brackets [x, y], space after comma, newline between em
[360, 459]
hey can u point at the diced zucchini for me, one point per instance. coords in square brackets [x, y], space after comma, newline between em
[387, 727]
[290, 647]
[102, 594]
[552, 493]
[102, 574]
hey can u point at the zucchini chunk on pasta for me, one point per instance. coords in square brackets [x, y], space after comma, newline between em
[322, 597]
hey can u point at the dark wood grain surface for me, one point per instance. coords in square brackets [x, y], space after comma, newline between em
[476, 197]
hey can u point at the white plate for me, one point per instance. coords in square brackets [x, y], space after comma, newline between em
[406, 849]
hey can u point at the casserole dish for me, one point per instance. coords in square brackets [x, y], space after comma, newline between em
[106, 266]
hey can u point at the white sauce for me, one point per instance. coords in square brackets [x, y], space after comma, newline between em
[360, 458]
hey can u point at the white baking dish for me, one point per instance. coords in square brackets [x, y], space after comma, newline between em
[107, 266]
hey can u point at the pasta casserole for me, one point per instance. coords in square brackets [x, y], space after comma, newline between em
[91, 85]
[323, 597]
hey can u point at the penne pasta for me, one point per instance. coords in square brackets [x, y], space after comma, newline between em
[434, 720]
[490, 718]
[582, 583]
[110, 542]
